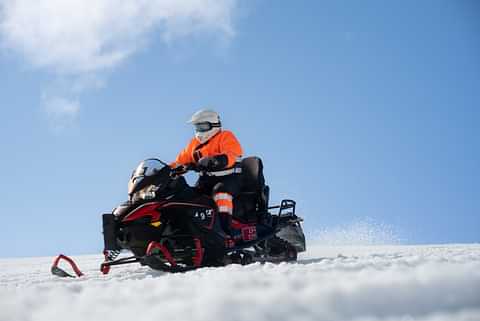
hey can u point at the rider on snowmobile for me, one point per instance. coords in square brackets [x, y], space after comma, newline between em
[216, 153]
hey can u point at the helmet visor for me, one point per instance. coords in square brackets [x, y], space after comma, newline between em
[205, 126]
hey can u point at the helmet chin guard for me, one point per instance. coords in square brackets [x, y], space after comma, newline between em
[204, 137]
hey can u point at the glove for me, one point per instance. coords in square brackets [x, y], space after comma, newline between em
[207, 163]
[180, 169]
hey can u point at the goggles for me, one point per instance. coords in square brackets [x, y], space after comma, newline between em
[205, 126]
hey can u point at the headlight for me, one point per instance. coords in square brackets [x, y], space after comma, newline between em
[146, 193]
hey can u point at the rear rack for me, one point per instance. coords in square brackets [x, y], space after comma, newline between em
[286, 208]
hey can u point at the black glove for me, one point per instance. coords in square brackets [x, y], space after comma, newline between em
[207, 164]
[181, 169]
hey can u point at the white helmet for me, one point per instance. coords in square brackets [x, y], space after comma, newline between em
[206, 123]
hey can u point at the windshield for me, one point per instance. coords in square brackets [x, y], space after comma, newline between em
[144, 170]
[148, 167]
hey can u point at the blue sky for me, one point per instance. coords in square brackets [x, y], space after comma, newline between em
[359, 109]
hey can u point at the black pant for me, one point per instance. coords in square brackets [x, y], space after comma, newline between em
[211, 185]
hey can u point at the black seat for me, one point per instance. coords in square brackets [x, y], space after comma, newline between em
[252, 174]
[252, 203]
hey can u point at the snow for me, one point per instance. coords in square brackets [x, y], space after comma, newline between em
[360, 283]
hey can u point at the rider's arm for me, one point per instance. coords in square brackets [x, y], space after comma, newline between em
[185, 157]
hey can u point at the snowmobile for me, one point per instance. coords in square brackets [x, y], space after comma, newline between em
[168, 225]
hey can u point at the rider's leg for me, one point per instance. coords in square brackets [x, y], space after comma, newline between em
[223, 194]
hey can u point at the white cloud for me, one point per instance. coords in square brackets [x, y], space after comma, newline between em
[78, 36]
[78, 39]
[61, 112]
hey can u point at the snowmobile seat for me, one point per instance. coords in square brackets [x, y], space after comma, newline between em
[252, 202]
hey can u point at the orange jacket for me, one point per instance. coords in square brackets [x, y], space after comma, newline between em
[224, 142]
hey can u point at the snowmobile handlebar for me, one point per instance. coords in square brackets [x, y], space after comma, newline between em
[183, 169]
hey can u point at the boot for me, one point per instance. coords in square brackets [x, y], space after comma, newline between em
[227, 223]
[226, 220]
